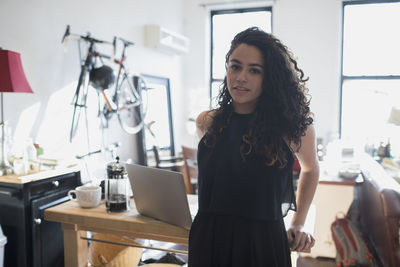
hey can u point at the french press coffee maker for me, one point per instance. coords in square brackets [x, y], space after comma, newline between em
[116, 187]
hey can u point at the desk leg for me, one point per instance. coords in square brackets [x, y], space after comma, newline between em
[75, 248]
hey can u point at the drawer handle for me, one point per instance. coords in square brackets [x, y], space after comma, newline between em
[56, 183]
[5, 193]
[37, 221]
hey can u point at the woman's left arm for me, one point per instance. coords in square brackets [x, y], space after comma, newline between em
[299, 240]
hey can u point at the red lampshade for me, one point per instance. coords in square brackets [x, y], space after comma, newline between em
[12, 76]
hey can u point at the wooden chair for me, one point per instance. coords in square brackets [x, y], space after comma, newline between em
[173, 163]
[190, 170]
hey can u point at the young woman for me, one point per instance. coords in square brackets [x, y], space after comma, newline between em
[245, 160]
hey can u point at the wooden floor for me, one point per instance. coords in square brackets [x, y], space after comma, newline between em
[156, 254]
[296, 260]
[312, 262]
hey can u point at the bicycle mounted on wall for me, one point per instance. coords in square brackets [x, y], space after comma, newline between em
[125, 100]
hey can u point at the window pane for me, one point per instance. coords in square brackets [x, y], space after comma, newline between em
[157, 117]
[371, 39]
[366, 106]
[215, 87]
[226, 26]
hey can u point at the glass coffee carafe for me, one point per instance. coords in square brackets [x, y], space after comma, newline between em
[117, 187]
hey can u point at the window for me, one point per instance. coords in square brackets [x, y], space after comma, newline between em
[158, 120]
[370, 79]
[225, 24]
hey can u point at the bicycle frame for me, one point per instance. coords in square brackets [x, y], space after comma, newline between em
[84, 69]
[80, 86]
[125, 101]
[79, 99]
[122, 74]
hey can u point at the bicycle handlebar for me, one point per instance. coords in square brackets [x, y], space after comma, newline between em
[86, 37]
[112, 147]
[65, 34]
[92, 41]
[125, 42]
[89, 39]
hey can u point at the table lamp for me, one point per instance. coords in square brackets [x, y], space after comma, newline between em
[12, 80]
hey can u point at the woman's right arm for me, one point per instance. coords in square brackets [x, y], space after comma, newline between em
[203, 121]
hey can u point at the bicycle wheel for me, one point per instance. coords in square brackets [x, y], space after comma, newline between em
[129, 107]
[79, 102]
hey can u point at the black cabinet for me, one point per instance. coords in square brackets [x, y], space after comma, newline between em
[32, 241]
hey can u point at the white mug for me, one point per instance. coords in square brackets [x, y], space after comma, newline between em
[88, 196]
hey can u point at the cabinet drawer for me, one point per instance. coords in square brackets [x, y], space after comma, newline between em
[58, 183]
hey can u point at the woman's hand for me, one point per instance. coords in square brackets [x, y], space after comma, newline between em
[299, 240]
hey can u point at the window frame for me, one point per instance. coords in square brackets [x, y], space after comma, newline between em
[344, 78]
[228, 11]
[163, 81]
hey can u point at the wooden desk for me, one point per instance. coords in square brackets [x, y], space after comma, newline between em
[76, 221]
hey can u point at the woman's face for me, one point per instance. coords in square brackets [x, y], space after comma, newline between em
[244, 74]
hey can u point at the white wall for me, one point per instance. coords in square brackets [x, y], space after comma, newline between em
[35, 29]
[310, 28]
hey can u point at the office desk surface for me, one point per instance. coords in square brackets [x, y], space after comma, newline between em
[76, 221]
[129, 223]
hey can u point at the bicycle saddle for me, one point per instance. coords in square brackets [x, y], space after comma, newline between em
[102, 78]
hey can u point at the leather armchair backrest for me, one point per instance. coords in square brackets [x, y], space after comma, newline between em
[379, 219]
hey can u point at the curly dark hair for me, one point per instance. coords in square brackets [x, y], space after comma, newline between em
[282, 113]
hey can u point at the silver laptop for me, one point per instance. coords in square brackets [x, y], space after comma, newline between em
[160, 194]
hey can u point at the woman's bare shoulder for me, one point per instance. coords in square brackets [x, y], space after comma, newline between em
[204, 121]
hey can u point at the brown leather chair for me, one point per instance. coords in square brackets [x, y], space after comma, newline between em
[379, 213]
[190, 170]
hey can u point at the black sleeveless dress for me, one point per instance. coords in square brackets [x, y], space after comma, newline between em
[241, 206]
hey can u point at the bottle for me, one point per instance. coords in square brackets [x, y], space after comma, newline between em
[6, 141]
[381, 151]
[30, 157]
[387, 149]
